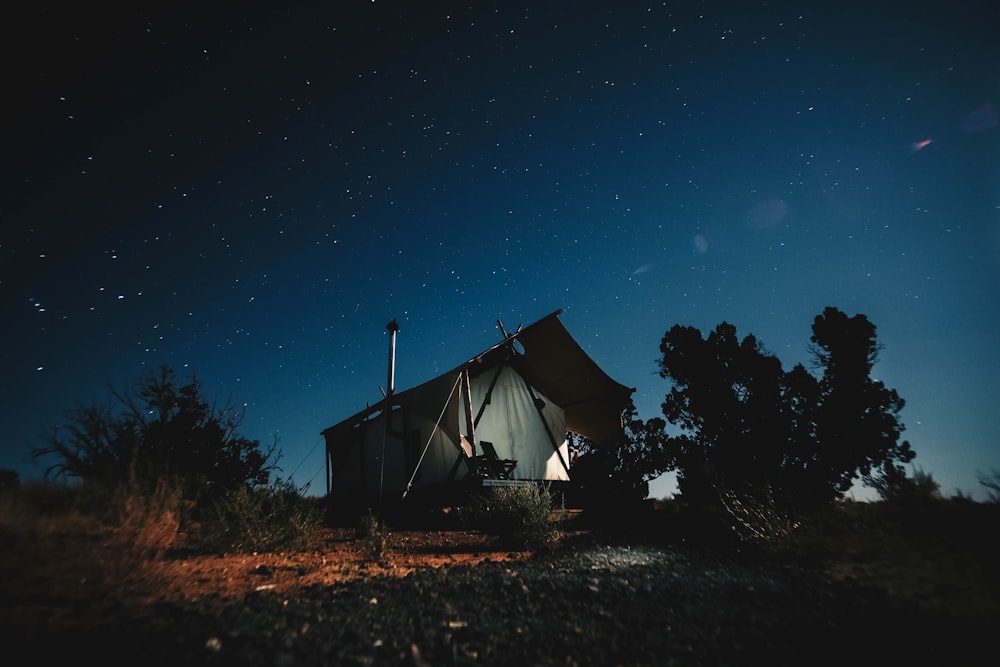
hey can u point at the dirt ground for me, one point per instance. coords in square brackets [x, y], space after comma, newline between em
[84, 566]
[341, 558]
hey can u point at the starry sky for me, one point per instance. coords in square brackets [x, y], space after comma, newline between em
[251, 191]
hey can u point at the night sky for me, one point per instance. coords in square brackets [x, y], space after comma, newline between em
[251, 194]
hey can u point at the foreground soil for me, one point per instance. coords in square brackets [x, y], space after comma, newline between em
[445, 597]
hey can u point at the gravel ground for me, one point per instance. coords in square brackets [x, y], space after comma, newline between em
[600, 605]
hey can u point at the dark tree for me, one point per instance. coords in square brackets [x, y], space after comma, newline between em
[160, 429]
[729, 398]
[749, 427]
[857, 417]
[622, 470]
[992, 483]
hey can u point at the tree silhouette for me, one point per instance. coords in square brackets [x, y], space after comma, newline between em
[728, 400]
[749, 427]
[158, 430]
[622, 471]
[857, 424]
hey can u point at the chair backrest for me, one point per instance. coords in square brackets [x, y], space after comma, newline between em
[488, 449]
[494, 465]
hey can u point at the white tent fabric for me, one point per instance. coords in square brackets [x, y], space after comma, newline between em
[516, 429]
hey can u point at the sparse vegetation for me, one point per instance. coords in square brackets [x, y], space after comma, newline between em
[159, 429]
[258, 519]
[893, 560]
[758, 521]
[518, 516]
[147, 525]
[373, 536]
[892, 483]
[36, 512]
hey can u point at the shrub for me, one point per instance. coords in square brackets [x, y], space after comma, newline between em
[518, 516]
[758, 520]
[36, 511]
[892, 485]
[119, 536]
[161, 427]
[258, 519]
[374, 537]
[146, 525]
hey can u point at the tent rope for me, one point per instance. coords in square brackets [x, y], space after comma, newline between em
[306, 457]
[409, 485]
[306, 486]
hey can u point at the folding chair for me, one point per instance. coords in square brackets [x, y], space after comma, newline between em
[495, 467]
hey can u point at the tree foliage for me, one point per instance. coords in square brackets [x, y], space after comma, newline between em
[857, 417]
[750, 427]
[160, 428]
[623, 469]
[991, 481]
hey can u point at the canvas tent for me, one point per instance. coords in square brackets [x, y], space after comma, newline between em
[503, 414]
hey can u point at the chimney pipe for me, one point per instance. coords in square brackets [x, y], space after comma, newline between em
[392, 328]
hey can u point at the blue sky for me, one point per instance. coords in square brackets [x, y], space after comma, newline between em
[252, 193]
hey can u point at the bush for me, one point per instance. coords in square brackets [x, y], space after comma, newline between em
[892, 485]
[758, 521]
[374, 537]
[161, 427]
[36, 511]
[258, 519]
[518, 516]
[147, 525]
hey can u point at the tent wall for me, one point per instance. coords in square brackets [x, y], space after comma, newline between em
[359, 471]
[358, 468]
[514, 426]
[511, 421]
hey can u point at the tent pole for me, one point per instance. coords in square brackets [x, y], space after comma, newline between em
[470, 425]
[539, 407]
[392, 328]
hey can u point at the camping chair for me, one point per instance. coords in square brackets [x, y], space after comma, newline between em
[490, 465]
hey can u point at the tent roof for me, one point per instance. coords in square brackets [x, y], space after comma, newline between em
[551, 361]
